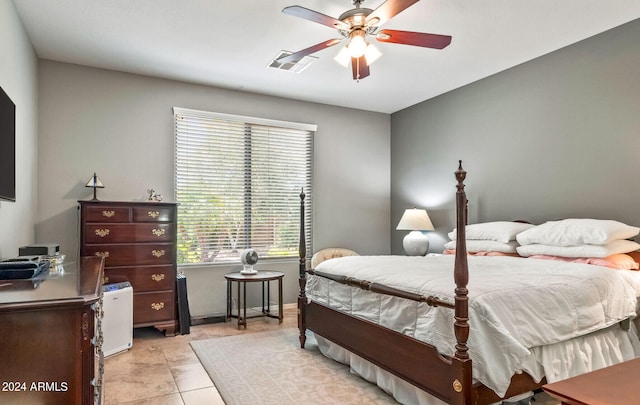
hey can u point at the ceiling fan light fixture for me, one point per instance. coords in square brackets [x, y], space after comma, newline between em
[372, 54]
[343, 57]
[357, 44]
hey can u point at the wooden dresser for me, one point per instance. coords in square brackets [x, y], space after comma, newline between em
[613, 385]
[50, 345]
[138, 243]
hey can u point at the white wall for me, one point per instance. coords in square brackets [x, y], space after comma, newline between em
[18, 78]
[121, 126]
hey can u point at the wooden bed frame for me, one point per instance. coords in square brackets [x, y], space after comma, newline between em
[447, 378]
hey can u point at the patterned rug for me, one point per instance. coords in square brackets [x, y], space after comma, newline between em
[270, 368]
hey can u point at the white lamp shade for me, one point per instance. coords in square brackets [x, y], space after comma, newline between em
[415, 243]
[415, 219]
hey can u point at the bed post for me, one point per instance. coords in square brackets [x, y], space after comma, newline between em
[461, 270]
[462, 384]
[302, 281]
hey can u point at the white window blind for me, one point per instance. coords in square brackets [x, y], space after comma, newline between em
[238, 181]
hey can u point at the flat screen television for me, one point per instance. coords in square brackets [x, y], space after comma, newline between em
[7, 148]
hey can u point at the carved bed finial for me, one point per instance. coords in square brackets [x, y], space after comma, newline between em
[461, 174]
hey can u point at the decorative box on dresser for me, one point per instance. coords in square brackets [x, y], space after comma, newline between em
[138, 242]
[51, 340]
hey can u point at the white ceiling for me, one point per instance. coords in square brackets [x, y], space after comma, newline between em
[229, 43]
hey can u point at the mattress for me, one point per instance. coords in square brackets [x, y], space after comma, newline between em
[525, 315]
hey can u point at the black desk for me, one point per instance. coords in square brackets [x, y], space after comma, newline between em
[264, 277]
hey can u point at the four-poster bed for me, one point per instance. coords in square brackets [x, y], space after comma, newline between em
[444, 373]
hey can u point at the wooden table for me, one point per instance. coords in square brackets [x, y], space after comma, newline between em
[264, 277]
[615, 385]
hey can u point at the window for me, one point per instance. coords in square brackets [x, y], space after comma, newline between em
[238, 181]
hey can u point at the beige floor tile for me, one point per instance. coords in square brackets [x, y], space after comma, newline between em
[178, 353]
[160, 370]
[130, 383]
[147, 355]
[171, 399]
[204, 396]
[190, 377]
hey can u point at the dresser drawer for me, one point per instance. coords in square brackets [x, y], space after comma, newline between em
[152, 307]
[153, 213]
[107, 214]
[125, 255]
[143, 279]
[128, 233]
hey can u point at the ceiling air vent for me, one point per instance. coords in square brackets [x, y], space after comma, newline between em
[296, 67]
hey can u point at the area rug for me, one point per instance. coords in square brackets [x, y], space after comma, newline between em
[270, 368]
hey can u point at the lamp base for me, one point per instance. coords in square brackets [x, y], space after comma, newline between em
[95, 195]
[416, 243]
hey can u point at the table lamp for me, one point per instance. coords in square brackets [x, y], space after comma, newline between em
[415, 243]
[95, 183]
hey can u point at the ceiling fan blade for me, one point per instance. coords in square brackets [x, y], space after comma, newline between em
[387, 10]
[294, 57]
[359, 68]
[414, 38]
[307, 14]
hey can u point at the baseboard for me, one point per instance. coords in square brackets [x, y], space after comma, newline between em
[207, 320]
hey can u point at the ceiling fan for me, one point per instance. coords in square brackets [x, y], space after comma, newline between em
[357, 25]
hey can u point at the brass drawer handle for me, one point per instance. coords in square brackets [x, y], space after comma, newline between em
[158, 253]
[102, 232]
[108, 214]
[105, 280]
[153, 214]
[158, 232]
[157, 277]
[85, 326]
[157, 306]
[103, 254]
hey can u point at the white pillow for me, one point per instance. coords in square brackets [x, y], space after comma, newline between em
[615, 247]
[500, 231]
[474, 246]
[573, 232]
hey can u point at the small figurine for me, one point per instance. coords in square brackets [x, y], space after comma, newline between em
[153, 196]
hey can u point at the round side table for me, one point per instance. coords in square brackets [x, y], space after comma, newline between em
[265, 277]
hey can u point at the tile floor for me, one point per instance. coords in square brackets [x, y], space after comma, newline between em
[161, 370]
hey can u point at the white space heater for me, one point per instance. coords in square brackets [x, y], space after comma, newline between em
[117, 323]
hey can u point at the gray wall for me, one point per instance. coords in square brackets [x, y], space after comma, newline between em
[552, 138]
[121, 126]
[18, 78]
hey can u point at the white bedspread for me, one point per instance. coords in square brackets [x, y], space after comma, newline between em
[515, 305]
